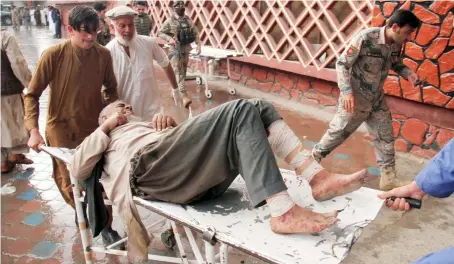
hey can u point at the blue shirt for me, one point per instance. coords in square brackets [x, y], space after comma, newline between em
[437, 179]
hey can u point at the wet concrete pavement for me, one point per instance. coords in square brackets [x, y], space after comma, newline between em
[38, 227]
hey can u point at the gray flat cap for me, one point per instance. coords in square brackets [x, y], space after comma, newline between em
[120, 11]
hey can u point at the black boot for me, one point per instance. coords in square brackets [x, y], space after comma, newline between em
[110, 236]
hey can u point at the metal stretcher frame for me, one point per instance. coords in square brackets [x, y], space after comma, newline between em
[356, 210]
[209, 234]
[208, 58]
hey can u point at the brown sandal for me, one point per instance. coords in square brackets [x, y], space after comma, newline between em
[7, 166]
[20, 159]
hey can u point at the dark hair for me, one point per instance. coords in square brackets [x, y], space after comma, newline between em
[403, 18]
[83, 16]
[99, 6]
[128, 5]
[142, 3]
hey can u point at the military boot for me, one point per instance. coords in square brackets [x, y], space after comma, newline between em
[389, 179]
[186, 101]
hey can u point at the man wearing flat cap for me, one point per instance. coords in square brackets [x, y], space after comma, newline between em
[179, 31]
[133, 57]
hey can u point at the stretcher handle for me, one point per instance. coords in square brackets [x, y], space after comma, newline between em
[414, 203]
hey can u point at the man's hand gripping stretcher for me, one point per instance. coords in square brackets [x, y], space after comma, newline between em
[199, 158]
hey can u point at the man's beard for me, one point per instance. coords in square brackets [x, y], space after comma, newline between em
[123, 41]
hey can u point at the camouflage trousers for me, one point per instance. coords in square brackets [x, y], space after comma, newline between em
[379, 124]
[180, 65]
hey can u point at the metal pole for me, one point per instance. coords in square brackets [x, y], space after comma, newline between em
[210, 253]
[206, 73]
[195, 248]
[179, 243]
[224, 252]
[228, 72]
[80, 219]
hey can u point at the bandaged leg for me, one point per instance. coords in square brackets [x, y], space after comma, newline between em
[289, 218]
[280, 203]
[286, 145]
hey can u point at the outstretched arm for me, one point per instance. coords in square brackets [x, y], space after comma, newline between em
[93, 147]
[436, 179]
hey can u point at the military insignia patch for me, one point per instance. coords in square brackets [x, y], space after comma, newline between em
[352, 51]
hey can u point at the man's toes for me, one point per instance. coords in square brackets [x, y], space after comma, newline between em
[327, 223]
[331, 214]
[358, 176]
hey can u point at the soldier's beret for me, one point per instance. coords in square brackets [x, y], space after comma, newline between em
[120, 11]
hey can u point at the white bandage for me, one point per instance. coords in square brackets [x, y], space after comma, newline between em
[282, 139]
[280, 203]
[309, 172]
[283, 142]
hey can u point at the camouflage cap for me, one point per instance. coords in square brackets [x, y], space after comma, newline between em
[178, 2]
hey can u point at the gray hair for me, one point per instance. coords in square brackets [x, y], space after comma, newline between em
[106, 111]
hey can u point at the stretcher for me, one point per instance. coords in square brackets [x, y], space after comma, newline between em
[207, 56]
[230, 222]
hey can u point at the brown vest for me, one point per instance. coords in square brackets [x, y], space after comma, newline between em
[9, 82]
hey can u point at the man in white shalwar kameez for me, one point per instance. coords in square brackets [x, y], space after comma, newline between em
[133, 56]
[15, 75]
[49, 18]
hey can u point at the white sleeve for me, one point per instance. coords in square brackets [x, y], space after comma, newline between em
[159, 54]
[18, 63]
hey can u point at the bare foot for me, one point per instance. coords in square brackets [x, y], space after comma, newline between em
[327, 185]
[302, 221]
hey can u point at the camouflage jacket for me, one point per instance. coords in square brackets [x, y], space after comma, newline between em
[364, 65]
[170, 28]
[143, 24]
[103, 35]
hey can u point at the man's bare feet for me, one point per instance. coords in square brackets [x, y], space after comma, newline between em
[302, 221]
[327, 185]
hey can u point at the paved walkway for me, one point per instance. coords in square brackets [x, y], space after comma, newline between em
[38, 227]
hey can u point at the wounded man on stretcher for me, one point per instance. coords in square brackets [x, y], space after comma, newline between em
[198, 160]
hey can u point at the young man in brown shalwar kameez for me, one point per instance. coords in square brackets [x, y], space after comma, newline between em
[75, 71]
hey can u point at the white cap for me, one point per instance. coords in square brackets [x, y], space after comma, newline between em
[120, 11]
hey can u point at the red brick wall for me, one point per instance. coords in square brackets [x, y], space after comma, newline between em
[430, 52]
[421, 135]
[419, 138]
[299, 88]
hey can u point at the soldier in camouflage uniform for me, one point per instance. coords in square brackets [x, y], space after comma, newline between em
[142, 21]
[103, 36]
[361, 72]
[180, 32]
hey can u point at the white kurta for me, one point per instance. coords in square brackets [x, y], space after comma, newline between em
[136, 76]
[51, 22]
